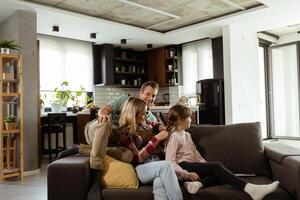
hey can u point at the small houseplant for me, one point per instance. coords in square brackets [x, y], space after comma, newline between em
[10, 122]
[75, 99]
[62, 95]
[7, 45]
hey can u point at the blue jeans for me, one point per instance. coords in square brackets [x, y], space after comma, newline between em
[162, 174]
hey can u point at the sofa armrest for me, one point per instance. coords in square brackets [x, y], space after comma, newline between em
[277, 151]
[285, 166]
[68, 178]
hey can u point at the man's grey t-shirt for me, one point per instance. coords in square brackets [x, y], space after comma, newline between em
[117, 104]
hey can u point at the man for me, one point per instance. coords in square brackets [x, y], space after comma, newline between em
[148, 93]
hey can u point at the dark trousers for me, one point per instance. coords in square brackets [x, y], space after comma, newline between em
[214, 173]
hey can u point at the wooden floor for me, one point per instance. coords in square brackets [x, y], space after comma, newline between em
[33, 187]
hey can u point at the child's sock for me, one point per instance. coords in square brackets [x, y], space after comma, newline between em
[192, 187]
[257, 192]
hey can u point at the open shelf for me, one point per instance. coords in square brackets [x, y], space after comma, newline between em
[11, 144]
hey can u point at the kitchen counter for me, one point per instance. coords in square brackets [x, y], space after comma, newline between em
[165, 109]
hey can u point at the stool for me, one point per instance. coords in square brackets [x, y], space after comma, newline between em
[94, 113]
[56, 125]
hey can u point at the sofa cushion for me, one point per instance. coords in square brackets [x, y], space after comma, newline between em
[238, 146]
[226, 192]
[143, 193]
[117, 174]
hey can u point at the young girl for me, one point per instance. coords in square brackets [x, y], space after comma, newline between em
[190, 165]
[161, 173]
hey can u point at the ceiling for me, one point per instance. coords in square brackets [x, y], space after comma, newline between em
[157, 15]
[270, 15]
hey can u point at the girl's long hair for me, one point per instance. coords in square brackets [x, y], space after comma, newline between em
[129, 112]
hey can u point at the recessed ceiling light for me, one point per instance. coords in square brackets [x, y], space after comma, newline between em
[123, 41]
[55, 28]
[93, 36]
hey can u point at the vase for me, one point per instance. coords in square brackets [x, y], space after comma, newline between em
[5, 50]
[10, 126]
[56, 108]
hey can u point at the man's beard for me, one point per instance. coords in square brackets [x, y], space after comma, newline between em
[150, 104]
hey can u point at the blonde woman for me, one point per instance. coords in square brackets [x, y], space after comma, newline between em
[160, 173]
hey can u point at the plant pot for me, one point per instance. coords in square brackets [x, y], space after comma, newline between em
[11, 126]
[56, 108]
[5, 50]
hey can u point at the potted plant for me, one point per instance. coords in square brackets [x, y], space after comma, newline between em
[75, 99]
[63, 95]
[7, 45]
[10, 122]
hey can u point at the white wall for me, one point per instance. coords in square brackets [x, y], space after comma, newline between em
[241, 74]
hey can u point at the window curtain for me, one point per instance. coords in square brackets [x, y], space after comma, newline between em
[64, 59]
[197, 64]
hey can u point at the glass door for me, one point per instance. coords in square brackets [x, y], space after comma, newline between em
[284, 90]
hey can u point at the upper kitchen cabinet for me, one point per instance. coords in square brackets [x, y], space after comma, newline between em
[156, 65]
[116, 66]
[165, 65]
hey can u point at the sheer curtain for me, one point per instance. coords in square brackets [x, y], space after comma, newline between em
[64, 59]
[197, 64]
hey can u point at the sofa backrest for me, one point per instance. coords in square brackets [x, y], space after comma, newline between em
[238, 146]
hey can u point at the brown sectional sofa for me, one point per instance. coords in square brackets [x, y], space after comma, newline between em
[239, 147]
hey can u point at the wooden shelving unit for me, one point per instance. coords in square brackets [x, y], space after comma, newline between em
[11, 103]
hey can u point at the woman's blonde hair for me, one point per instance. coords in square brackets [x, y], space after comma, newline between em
[176, 113]
[129, 112]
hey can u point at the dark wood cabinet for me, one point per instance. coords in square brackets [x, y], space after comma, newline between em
[103, 64]
[116, 66]
[156, 65]
[165, 65]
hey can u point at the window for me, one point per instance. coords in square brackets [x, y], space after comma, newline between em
[284, 90]
[263, 58]
[197, 64]
[61, 60]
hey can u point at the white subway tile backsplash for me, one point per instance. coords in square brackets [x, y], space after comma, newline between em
[104, 94]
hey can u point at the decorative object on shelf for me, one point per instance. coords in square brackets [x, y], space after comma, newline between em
[7, 45]
[123, 55]
[10, 122]
[172, 53]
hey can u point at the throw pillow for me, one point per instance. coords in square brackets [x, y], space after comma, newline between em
[117, 174]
